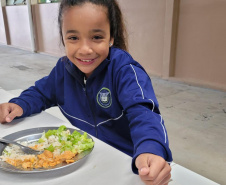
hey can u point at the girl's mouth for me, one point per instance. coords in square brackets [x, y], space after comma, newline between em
[86, 61]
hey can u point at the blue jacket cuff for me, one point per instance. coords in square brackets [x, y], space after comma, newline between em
[22, 104]
[148, 146]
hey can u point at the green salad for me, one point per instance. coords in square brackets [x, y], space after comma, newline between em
[62, 139]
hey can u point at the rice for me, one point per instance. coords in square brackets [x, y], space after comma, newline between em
[14, 151]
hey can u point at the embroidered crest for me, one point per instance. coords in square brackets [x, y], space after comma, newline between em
[104, 97]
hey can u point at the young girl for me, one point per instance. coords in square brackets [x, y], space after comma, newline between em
[101, 89]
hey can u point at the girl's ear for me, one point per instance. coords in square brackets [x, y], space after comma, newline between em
[111, 42]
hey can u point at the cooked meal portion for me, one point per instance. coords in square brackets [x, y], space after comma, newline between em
[59, 146]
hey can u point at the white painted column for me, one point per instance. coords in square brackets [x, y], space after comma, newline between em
[31, 25]
[4, 38]
[170, 34]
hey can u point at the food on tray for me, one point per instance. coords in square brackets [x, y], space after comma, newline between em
[59, 146]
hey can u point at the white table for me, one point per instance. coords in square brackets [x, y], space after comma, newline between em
[105, 165]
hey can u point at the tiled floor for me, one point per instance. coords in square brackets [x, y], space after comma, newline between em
[195, 117]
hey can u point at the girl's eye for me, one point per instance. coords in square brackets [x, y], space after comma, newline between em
[97, 37]
[73, 38]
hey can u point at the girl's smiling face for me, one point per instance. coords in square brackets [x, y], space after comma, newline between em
[86, 36]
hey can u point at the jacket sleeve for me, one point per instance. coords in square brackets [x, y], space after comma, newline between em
[137, 97]
[38, 97]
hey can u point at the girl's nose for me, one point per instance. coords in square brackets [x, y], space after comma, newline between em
[85, 48]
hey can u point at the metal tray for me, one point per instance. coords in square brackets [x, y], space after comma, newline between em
[32, 135]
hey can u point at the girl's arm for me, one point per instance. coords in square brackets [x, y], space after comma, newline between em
[137, 97]
[40, 96]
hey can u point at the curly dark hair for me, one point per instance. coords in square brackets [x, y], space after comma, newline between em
[117, 26]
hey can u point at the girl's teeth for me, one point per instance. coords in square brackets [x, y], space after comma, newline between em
[86, 60]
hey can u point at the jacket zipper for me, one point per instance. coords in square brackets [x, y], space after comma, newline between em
[93, 115]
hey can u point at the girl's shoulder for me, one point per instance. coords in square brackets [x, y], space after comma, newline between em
[117, 53]
[62, 64]
[62, 60]
[121, 59]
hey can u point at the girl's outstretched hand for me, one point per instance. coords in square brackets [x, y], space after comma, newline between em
[8, 111]
[153, 169]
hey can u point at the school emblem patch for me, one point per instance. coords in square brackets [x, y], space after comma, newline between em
[104, 97]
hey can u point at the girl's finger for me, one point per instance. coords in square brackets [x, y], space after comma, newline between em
[164, 175]
[166, 180]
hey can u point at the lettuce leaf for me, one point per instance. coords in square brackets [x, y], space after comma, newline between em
[41, 140]
[51, 148]
[69, 142]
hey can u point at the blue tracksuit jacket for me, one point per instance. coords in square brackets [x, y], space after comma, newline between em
[117, 103]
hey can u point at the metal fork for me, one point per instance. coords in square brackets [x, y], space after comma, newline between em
[25, 149]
